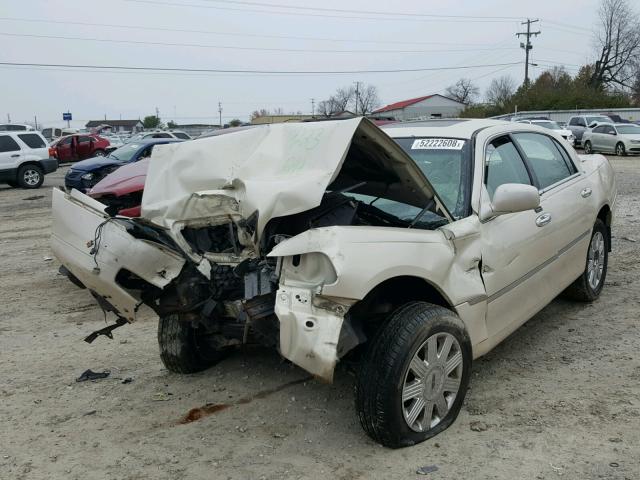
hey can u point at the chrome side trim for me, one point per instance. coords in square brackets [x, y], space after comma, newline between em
[531, 273]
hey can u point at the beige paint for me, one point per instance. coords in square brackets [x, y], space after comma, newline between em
[495, 272]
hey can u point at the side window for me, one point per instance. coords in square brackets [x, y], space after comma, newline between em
[565, 156]
[543, 157]
[610, 130]
[66, 141]
[8, 144]
[146, 153]
[32, 140]
[503, 164]
[581, 122]
[573, 121]
[599, 129]
[162, 135]
[83, 139]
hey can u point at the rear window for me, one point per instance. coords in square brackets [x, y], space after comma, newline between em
[628, 129]
[32, 140]
[184, 136]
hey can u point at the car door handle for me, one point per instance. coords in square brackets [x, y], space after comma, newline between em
[585, 192]
[543, 219]
[15, 155]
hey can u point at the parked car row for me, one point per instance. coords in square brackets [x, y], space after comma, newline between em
[85, 174]
[411, 250]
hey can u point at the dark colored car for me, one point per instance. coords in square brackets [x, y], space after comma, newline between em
[72, 148]
[86, 174]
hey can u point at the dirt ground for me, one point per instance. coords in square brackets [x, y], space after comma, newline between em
[560, 398]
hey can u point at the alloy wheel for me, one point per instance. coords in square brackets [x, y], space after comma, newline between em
[31, 177]
[432, 382]
[595, 260]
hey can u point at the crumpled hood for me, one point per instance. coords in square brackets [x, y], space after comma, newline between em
[94, 163]
[276, 170]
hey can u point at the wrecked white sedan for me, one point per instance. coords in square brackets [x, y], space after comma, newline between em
[413, 251]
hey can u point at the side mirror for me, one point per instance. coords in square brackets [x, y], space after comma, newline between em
[512, 198]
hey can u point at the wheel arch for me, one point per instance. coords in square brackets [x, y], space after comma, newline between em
[606, 215]
[371, 312]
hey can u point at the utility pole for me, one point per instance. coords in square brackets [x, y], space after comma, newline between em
[220, 112]
[8, 118]
[527, 45]
[357, 96]
[158, 114]
[35, 120]
[313, 107]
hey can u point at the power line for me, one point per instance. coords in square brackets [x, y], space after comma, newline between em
[236, 34]
[274, 72]
[369, 12]
[301, 14]
[235, 47]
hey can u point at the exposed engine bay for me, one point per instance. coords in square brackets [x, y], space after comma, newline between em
[217, 231]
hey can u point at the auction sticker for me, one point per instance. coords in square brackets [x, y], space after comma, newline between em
[437, 143]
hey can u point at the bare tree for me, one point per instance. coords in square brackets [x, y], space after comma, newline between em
[324, 108]
[635, 88]
[342, 99]
[260, 113]
[463, 91]
[618, 45]
[500, 91]
[368, 99]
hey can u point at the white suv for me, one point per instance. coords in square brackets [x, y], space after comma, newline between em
[24, 159]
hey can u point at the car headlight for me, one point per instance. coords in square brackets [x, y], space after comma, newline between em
[87, 176]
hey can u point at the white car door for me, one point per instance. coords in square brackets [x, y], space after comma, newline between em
[567, 214]
[10, 152]
[595, 137]
[609, 139]
[513, 245]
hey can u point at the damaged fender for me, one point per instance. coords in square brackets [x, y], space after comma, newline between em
[95, 248]
[325, 271]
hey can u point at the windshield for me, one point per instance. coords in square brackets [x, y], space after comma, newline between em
[547, 124]
[628, 129]
[599, 119]
[445, 163]
[126, 152]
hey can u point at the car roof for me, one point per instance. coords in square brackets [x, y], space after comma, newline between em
[148, 141]
[449, 127]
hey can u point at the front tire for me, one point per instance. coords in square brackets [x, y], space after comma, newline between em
[620, 150]
[99, 153]
[588, 149]
[414, 376]
[30, 176]
[184, 348]
[587, 287]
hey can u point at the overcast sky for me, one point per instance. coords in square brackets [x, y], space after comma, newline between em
[128, 33]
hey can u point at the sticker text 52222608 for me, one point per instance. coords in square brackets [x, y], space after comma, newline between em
[437, 144]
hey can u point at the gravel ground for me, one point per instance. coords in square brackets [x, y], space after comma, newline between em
[559, 398]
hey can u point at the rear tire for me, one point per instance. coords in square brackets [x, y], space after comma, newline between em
[620, 150]
[587, 287]
[404, 392]
[99, 153]
[30, 176]
[587, 148]
[183, 348]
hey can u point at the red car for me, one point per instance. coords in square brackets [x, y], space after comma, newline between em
[72, 148]
[122, 190]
